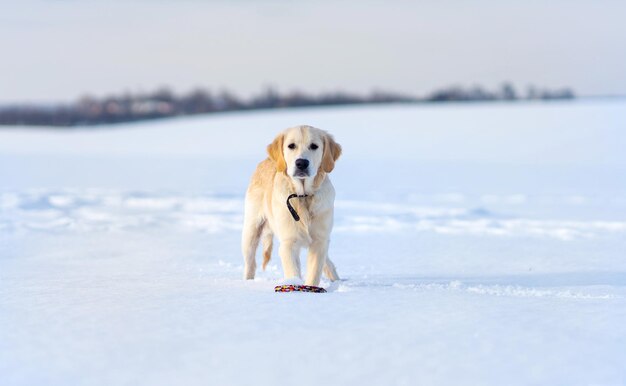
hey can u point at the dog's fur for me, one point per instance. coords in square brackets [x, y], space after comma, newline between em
[266, 212]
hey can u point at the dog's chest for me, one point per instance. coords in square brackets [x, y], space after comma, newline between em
[305, 207]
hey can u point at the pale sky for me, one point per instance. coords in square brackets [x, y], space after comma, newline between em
[60, 50]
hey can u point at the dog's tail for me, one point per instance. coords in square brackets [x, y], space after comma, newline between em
[267, 240]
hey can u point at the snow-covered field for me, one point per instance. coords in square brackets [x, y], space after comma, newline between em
[479, 245]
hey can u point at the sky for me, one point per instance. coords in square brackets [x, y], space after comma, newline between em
[60, 50]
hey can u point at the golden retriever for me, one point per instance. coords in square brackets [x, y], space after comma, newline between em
[290, 196]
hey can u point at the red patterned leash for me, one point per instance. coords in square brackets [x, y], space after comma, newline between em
[298, 288]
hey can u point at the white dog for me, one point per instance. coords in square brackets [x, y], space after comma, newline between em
[290, 196]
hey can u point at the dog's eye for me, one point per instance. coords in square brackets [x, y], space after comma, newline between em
[292, 146]
[313, 146]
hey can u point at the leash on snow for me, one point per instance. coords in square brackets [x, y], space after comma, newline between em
[299, 288]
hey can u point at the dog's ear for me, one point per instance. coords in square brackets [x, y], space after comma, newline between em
[332, 151]
[275, 151]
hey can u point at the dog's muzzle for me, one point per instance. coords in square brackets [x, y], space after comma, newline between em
[302, 168]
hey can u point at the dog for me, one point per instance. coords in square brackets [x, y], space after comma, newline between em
[296, 170]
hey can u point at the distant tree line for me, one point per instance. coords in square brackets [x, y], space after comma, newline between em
[165, 103]
[506, 92]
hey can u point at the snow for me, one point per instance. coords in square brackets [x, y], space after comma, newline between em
[479, 244]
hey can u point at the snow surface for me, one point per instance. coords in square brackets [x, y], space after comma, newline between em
[479, 245]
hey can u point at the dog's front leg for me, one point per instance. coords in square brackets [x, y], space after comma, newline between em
[289, 252]
[315, 261]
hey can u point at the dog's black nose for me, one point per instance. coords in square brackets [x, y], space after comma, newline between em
[302, 164]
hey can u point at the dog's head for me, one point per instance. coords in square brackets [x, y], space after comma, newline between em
[303, 151]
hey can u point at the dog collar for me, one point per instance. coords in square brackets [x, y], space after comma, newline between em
[293, 212]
